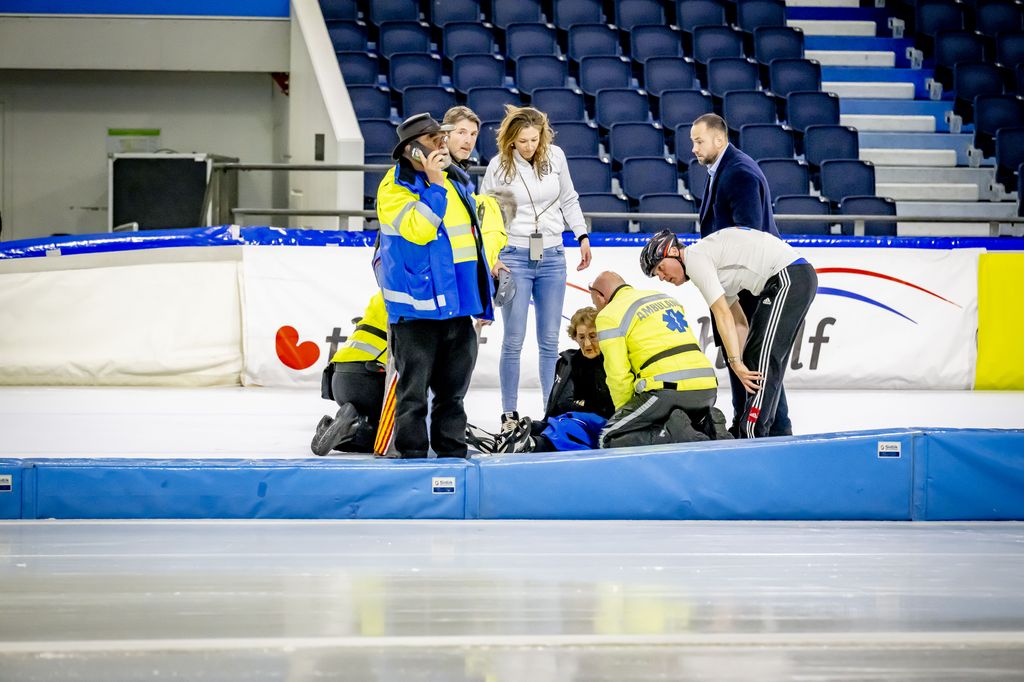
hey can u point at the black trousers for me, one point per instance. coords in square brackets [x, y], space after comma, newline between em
[662, 416]
[781, 309]
[357, 383]
[782, 426]
[438, 355]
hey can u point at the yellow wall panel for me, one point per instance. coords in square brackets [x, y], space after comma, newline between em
[1000, 322]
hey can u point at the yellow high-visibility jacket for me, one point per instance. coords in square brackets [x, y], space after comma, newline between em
[646, 342]
[370, 339]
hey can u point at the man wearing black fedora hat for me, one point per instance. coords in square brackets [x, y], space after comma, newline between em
[434, 274]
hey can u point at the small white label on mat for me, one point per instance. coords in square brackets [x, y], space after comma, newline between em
[6, 483]
[443, 485]
[887, 448]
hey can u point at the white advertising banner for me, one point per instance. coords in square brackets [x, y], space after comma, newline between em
[883, 318]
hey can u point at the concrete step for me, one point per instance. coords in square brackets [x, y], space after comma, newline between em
[898, 46]
[822, 3]
[819, 27]
[851, 90]
[867, 74]
[910, 124]
[979, 177]
[889, 107]
[982, 211]
[958, 143]
[852, 58]
[927, 191]
[916, 158]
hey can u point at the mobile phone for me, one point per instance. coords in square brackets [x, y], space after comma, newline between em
[417, 152]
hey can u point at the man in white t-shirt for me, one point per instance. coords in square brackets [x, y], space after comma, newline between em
[722, 265]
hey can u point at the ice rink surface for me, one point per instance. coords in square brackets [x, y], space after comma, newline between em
[496, 601]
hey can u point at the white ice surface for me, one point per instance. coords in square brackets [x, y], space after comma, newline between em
[279, 423]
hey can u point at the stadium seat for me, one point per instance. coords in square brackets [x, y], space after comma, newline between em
[619, 105]
[467, 38]
[435, 99]
[1009, 154]
[710, 42]
[971, 79]
[805, 109]
[1018, 79]
[1020, 191]
[632, 13]
[403, 36]
[347, 36]
[635, 139]
[696, 179]
[796, 204]
[487, 141]
[576, 138]
[379, 136]
[1010, 48]
[1000, 16]
[766, 141]
[370, 101]
[359, 68]
[952, 47]
[825, 142]
[745, 107]
[682, 145]
[560, 104]
[451, 11]
[792, 75]
[752, 14]
[785, 176]
[992, 112]
[726, 74]
[413, 68]
[334, 10]
[605, 202]
[530, 39]
[592, 40]
[667, 202]
[541, 71]
[568, 13]
[869, 205]
[372, 178]
[693, 13]
[393, 10]
[590, 175]
[648, 175]
[504, 12]
[668, 73]
[683, 106]
[598, 73]
[776, 42]
[932, 16]
[489, 103]
[654, 41]
[841, 178]
[477, 71]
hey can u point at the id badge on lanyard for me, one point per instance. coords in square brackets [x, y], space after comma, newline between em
[536, 246]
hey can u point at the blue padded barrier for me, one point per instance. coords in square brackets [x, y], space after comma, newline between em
[220, 8]
[970, 475]
[838, 477]
[237, 489]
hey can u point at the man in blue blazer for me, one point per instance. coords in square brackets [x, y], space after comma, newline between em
[736, 194]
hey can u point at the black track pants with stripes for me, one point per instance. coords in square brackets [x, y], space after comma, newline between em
[661, 416]
[781, 309]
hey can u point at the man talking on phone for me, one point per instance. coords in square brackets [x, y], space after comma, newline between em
[433, 272]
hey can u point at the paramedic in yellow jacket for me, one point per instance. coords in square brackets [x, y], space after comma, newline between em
[662, 385]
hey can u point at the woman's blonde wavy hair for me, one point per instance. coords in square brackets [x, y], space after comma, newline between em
[515, 121]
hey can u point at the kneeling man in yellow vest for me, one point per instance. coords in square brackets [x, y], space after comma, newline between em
[662, 385]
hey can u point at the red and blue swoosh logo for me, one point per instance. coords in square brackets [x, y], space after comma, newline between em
[844, 293]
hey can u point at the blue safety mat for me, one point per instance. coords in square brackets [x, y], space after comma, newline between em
[894, 475]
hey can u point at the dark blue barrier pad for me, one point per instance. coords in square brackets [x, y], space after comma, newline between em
[838, 477]
[971, 475]
[247, 489]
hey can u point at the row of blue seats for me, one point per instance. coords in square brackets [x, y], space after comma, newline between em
[989, 17]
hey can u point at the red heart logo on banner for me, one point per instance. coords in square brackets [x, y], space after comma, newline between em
[294, 354]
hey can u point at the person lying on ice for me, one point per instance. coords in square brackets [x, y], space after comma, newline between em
[577, 409]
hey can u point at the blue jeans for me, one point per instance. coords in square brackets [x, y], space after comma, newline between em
[544, 282]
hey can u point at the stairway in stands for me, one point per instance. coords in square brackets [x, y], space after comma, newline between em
[887, 94]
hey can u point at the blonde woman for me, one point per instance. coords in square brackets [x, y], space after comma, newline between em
[537, 174]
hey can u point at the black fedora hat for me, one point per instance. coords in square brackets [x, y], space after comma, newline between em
[413, 127]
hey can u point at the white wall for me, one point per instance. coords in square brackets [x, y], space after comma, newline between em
[55, 131]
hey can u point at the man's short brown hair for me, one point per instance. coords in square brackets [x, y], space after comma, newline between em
[710, 121]
[457, 113]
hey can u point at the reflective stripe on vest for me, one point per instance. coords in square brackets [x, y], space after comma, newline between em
[628, 317]
[678, 375]
[407, 299]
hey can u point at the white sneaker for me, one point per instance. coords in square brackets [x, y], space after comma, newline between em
[509, 421]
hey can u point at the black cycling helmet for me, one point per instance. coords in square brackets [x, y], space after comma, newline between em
[655, 250]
